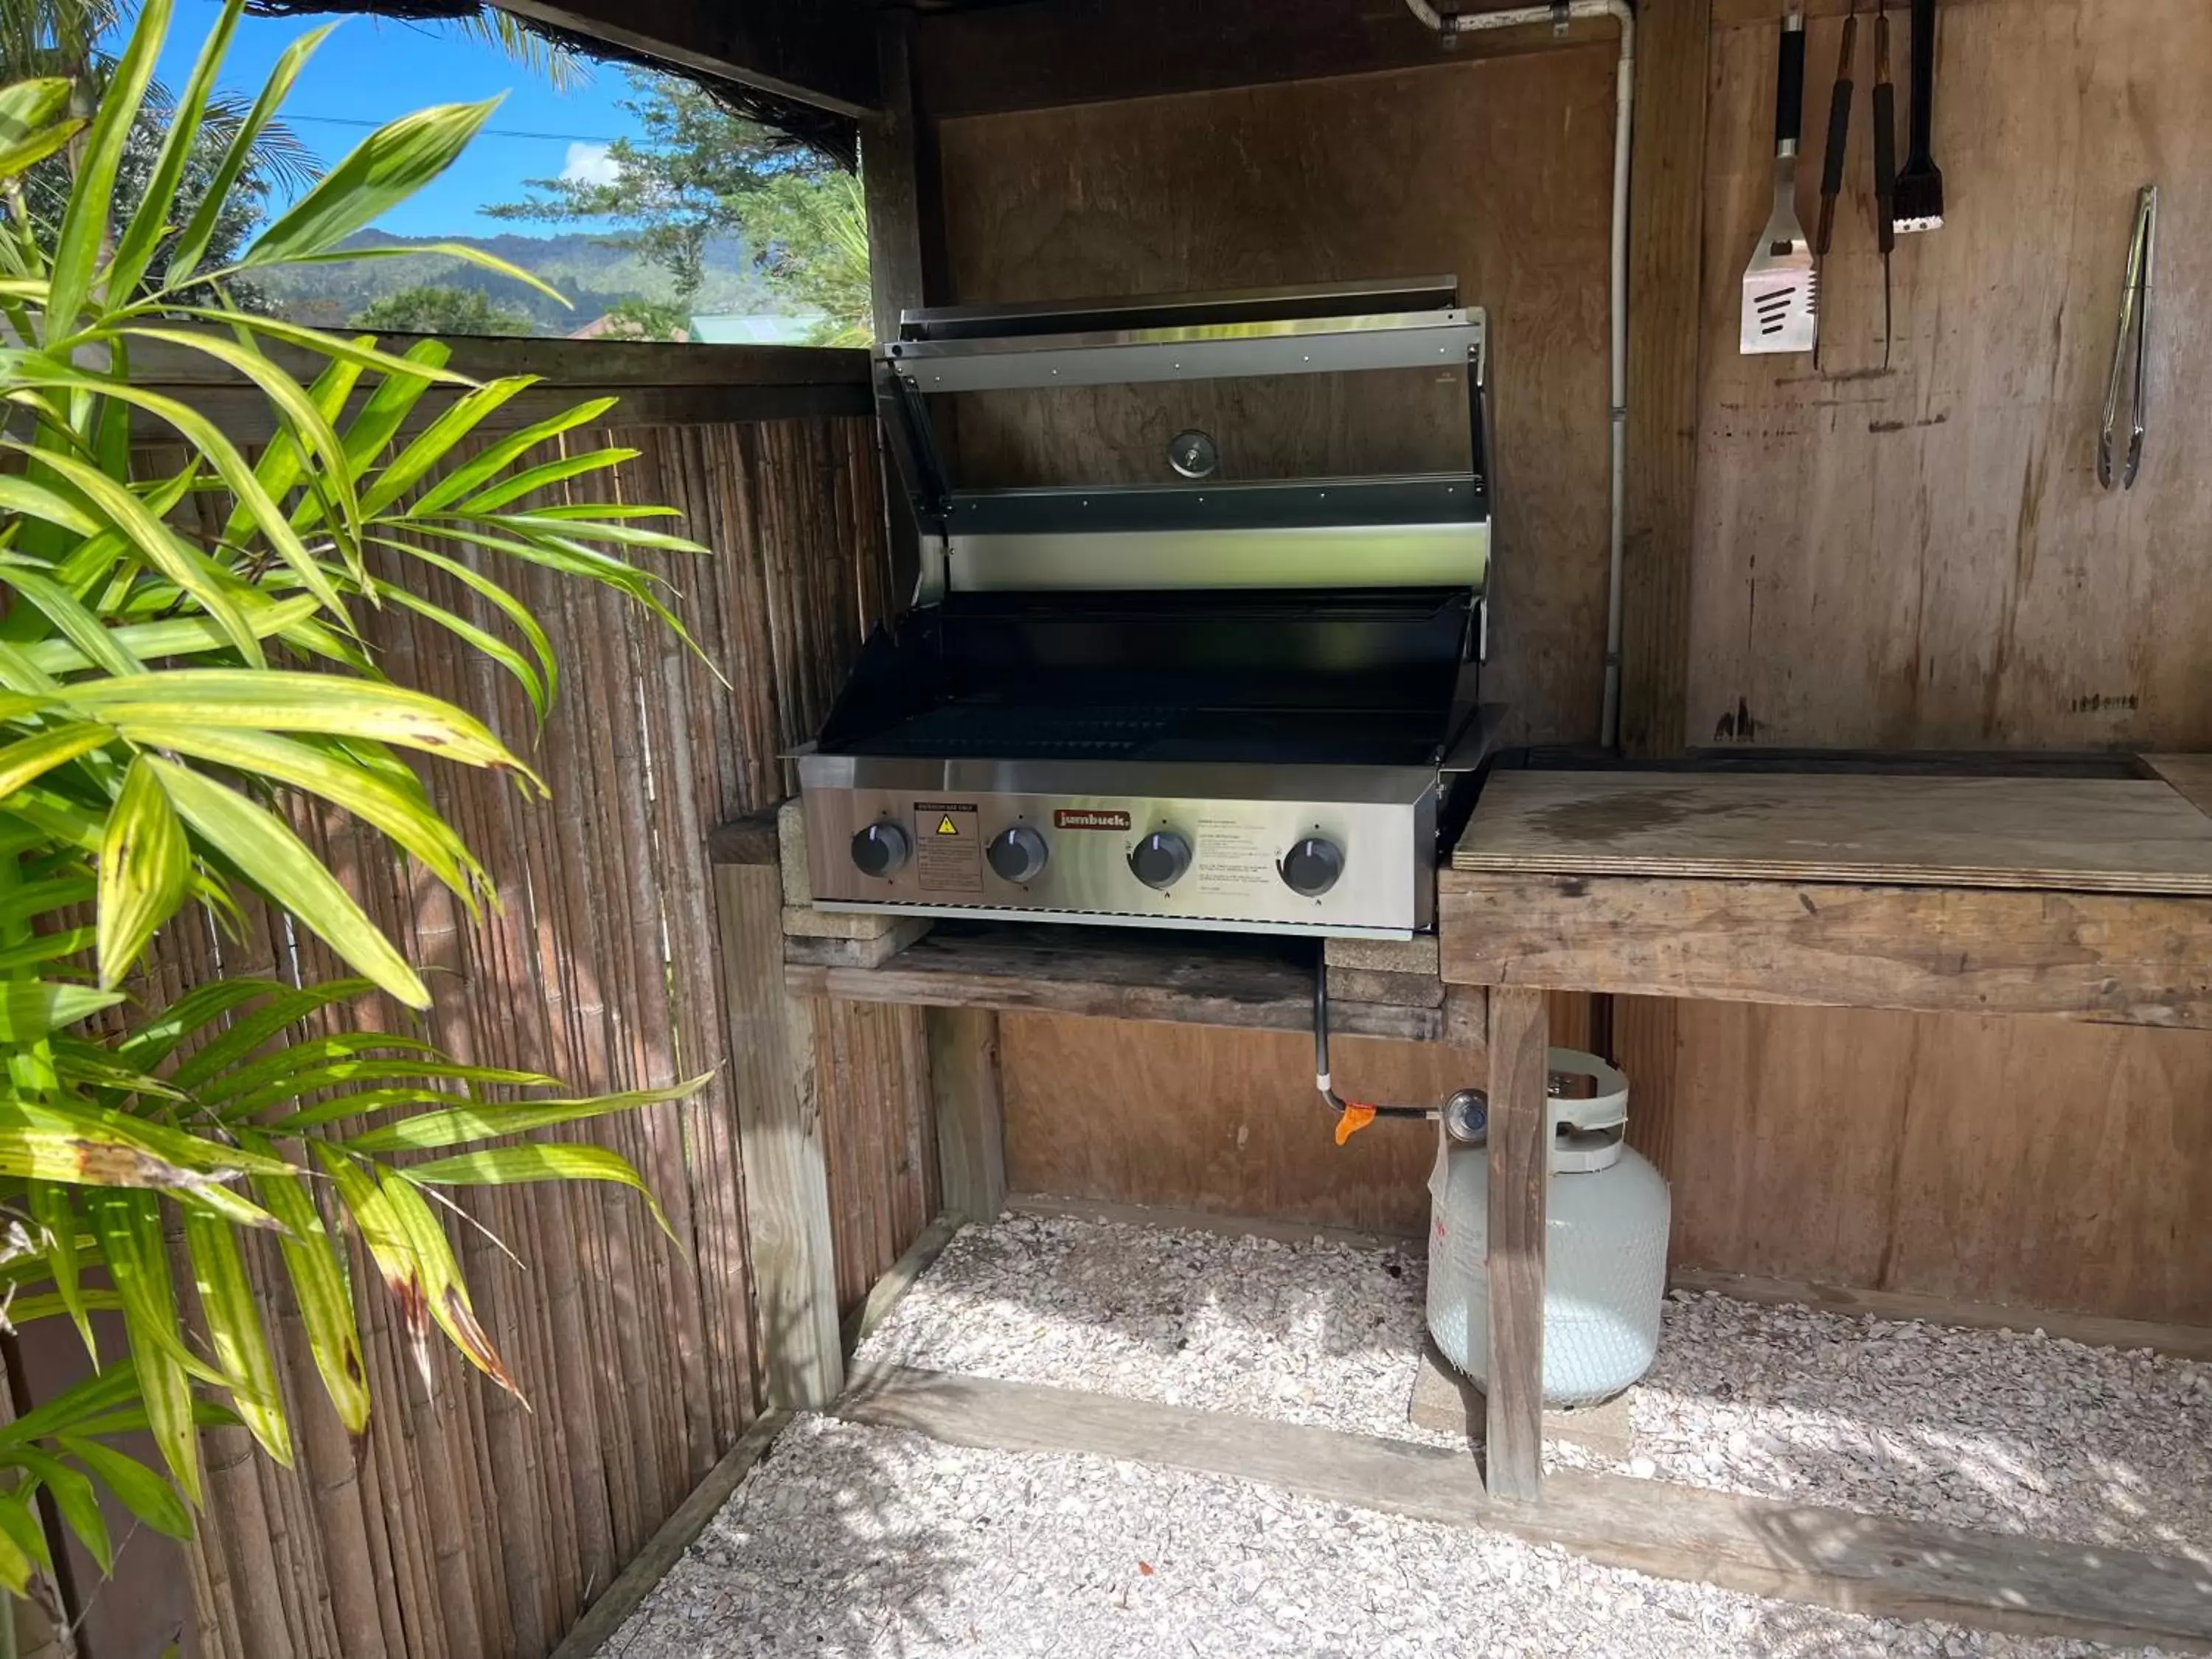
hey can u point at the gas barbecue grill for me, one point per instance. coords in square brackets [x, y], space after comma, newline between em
[1187, 695]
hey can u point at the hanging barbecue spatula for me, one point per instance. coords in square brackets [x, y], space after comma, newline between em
[1781, 285]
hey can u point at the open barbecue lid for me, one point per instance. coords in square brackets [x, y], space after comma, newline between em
[1180, 442]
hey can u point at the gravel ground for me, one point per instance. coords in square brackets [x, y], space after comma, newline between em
[1991, 1429]
[853, 1541]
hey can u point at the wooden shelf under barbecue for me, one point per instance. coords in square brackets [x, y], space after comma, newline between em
[1256, 981]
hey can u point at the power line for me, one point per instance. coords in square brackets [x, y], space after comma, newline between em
[481, 132]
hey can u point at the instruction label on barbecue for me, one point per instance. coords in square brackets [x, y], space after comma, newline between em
[949, 852]
[1234, 858]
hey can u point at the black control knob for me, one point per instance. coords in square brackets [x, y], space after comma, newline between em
[1017, 855]
[1160, 859]
[1310, 868]
[881, 849]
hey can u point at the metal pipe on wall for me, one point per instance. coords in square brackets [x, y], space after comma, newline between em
[1624, 122]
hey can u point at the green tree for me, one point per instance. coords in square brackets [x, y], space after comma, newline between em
[698, 173]
[438, 308]
[811, 239]
[637, 318]
[183, 673]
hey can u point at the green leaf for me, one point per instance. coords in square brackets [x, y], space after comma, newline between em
[129, 1229]
[191, 246]
[280, 864]
[415, 369]
[515, 611]
[484, 644]
[319, 1287]
[160, 546]
[145, 869]
[213, 446]
[278, 700]
[413, 826]
[29, 106]
[436, 441]
[50, 1207]
[501, 1166]
[143, 1492]
[34, 757]
[481, 469]
[310, 428]
[76, 1500]
[31, 1008]
[85, 225]
[228, 1307]
[213, 1064]
[27, 499]
[543, 476]
[384, 170]
[48, 597]
[134, 250]
[181, 636]
[16, 1561]
[484, 1120]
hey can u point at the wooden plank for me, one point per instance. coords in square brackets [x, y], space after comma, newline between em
[1520, 1179]
[614, 1605]
[2130, 836]
[2129, 1335]
[1206, 978]
[1862, 1564]
[887, 1292]
[971, 1129]
[819, 51]
[1200, 1119]
[2078, 956]
[1665, 253]
[2190, 773]
[657, 384]
[888, 163]
[750, 840]
[779, 1137]
[987, 60]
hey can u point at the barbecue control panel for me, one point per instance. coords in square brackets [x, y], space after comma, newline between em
[1296, 867]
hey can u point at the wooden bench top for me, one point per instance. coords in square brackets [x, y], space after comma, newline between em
[2083, 898]
[2085, 835]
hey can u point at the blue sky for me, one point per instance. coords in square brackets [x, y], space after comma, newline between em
[372, 69]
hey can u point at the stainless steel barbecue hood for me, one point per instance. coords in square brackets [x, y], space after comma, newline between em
[1213, 681]
[1428, 529]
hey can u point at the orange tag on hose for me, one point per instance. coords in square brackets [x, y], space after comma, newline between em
[1356, 1117]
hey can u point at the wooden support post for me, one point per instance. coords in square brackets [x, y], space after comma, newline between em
[1520, 1160]
[780, 1140]
[971, 1133]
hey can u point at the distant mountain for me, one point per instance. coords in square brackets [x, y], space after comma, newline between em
[592, 273]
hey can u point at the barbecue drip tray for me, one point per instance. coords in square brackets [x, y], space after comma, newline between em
[1192, 704]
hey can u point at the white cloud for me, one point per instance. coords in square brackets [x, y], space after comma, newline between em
[589, 164]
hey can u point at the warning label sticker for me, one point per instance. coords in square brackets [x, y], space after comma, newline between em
[949, 855]
[1234, 860]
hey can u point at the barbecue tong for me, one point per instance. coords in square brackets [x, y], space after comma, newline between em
[2134, 324]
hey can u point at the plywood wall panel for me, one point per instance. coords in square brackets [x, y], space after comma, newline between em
[1197, 1118]
[1973, 1158]
[1921, 555]
[1499, 170]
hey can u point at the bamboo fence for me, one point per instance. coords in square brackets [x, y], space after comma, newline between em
[466, 1521]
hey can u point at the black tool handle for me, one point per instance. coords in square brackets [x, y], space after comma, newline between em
[1789, 88]
[1917, 157]
[1885, 164]
[1832, 162]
